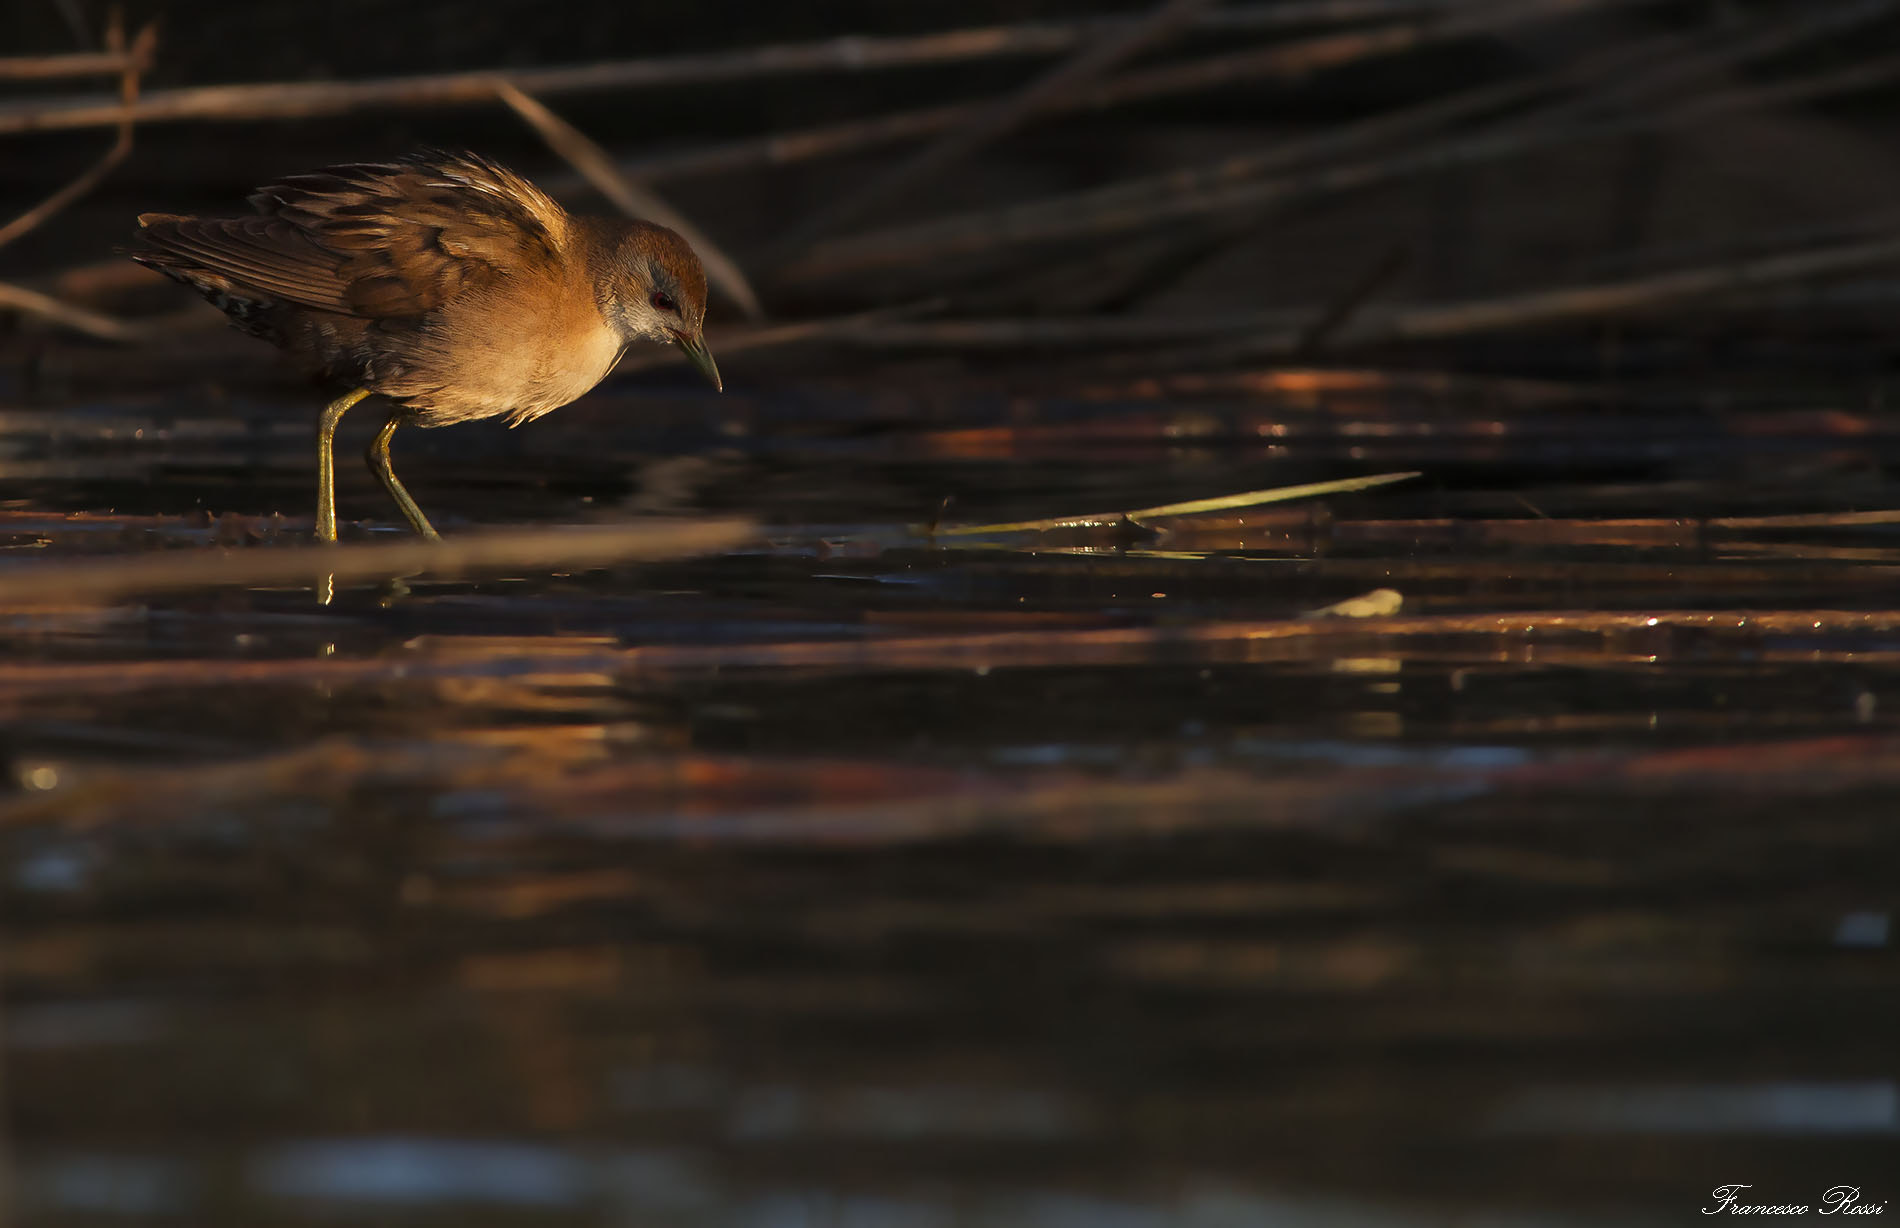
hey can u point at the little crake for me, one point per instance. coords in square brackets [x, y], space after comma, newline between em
[446, 283]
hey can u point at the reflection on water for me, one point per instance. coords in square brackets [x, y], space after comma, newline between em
[1774, 1108]
[847, 878]
[380, 1178]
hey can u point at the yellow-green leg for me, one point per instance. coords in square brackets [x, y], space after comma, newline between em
[326, 462]
[379, 464]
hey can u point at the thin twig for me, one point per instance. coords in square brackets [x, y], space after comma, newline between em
[1195, 507]
[139, 54]
[75, 64]
[1001, 117]
[306, 99]
[597, 166]
[66, 315]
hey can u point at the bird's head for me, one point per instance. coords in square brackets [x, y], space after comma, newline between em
[657, 292]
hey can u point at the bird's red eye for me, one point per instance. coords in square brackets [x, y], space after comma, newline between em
[662, 303]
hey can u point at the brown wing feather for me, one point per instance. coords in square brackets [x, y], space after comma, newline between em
[411, 235]
[376, 240]
[261, 253]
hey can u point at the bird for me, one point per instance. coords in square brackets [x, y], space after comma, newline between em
[444, 282]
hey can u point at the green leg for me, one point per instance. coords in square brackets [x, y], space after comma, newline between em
[326, 462]
[379, 465]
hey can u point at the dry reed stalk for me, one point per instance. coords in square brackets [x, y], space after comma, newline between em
[75, 64]
[134, 58]
[1143, 201]
[1281, 333]
[1808, 520]
[1105, 212]
[303, 100]
[132, 61]
[1617, 298]
[1758, 41]
[597, 167]
[1875, 73]
[1285, 62]
[77, 319]
[1294, 60]
[1001, 117]
[1281, 62]
[99, 279]
[1337, 314]
[1405, 122]
[1278, 62]
[1193, 507]
[109, 579]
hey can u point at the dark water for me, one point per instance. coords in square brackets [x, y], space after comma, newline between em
[856, 878]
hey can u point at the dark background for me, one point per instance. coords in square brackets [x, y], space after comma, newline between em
[1563, 211]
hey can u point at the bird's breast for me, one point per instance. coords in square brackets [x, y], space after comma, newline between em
[571, 370]
[521, 356]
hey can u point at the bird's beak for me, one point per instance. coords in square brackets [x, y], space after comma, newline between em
[696, 352]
